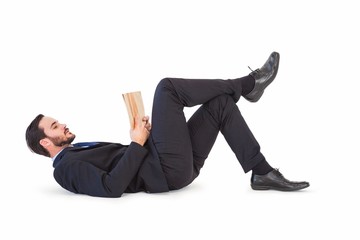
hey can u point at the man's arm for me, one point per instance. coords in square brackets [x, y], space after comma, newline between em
[85, 178]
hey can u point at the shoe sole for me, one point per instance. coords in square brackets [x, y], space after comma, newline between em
[275, 73]
[261, 188]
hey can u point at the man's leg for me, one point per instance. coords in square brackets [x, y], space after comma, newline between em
[183, 147]
[222, 114]
[170, 132]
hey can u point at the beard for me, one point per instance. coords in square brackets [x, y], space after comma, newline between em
[59, 142]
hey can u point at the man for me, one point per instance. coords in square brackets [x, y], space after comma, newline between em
[168, 154]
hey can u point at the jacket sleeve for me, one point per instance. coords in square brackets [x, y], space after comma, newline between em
[83, 177]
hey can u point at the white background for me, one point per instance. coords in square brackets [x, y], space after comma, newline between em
[57, 56]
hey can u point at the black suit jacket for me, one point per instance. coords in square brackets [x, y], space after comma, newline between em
[110, 169]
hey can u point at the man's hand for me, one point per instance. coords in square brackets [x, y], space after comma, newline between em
[141, 131]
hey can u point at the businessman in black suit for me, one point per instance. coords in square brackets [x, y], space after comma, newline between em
[169, 153]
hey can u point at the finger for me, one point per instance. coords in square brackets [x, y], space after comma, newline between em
[145, 118]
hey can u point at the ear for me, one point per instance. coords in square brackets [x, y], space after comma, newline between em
[45, 142]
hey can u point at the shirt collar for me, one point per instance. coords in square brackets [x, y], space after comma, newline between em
[59, 153]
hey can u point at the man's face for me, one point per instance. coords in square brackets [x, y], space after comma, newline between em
[56, 132]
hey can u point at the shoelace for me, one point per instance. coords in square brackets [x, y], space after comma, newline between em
[278, 172]
[256, 70]
[281, 175]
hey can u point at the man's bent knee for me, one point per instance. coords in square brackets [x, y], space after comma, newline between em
[165, 83]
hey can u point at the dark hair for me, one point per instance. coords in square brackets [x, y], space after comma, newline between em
[33, 136]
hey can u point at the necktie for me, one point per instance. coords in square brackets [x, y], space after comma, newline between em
[84, 144]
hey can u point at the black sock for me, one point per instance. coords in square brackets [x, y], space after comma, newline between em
[262, 168]
[247, 84]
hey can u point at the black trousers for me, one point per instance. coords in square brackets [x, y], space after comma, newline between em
[184, 145]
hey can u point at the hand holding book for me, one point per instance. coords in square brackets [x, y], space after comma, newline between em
[140, 133]
[139, 123]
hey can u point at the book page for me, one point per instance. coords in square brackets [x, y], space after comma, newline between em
[134, 105]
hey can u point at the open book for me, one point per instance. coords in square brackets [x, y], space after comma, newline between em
[134, 105]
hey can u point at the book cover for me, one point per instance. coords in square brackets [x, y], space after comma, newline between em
[134, 105]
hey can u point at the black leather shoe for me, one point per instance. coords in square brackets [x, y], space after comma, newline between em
[263, 77]
[275, 180]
